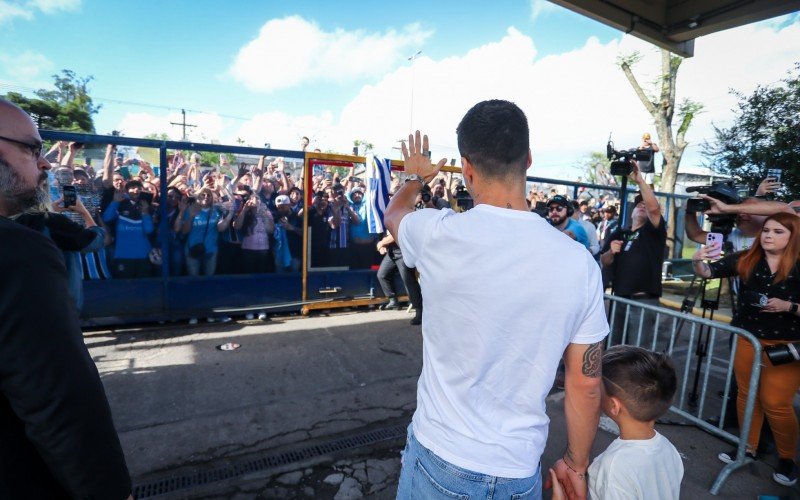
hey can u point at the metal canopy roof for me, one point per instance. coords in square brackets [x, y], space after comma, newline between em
[674, 24]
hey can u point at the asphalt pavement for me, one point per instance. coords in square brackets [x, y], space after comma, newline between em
[305, 407]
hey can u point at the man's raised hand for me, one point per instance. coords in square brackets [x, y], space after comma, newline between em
[417, 158]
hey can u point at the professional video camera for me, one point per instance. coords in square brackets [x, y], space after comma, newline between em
[621, 160]
[463, 199]
[724, 191]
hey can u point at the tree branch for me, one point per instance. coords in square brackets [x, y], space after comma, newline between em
[626, 68]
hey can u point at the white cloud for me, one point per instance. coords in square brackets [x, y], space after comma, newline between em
[51, 6]
[291, 51]
[209, 126]
[25, 68]
[572, 100]
[9, 11]
[540, 8]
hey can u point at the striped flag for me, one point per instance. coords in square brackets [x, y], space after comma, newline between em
[379, 179]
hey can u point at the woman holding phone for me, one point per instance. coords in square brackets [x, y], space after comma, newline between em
[767, 307]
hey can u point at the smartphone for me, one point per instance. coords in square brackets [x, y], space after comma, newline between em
[145, 196]
[125, 172]
[328, 176]
[774, 173]
[157, 171]
[712, 238]
[70, 196]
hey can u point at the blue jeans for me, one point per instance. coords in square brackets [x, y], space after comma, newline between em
[426, 476]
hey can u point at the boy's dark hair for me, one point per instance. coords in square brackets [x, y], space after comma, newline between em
[643, 380]
[494, 137]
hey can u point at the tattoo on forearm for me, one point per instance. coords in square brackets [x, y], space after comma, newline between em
[592, 366]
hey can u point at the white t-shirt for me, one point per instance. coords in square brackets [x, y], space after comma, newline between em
[504, 294]
[637, 469]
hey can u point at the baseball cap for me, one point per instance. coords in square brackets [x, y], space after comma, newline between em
[637, 199]
[282, 200]
[558, 200]
[610, 208]
[357, 189]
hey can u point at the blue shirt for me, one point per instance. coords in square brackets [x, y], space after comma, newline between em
[133, 228]
[360, 231]
[199, 229]
[578, 231]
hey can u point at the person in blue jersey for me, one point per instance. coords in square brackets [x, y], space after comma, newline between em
[202, 223]
[362, 244]
[134, 225]
[559, 210]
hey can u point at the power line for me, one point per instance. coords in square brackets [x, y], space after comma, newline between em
[21, 88]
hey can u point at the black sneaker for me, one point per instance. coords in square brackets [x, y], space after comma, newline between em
[417, 320]
[786, 472]
[729, 457]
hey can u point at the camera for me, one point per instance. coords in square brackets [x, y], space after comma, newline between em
[724, 191]
[621, 160]
[463, 199]
[426, 197]
[782, 354]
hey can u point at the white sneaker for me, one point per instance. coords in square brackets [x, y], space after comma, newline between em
[193, 321]
[225, 319]
[262, 316]
[251, 316]
[210, 319]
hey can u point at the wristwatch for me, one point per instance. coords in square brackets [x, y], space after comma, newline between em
[793, 309]
[415, 177]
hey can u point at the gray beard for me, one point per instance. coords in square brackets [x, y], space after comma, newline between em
[17, 197]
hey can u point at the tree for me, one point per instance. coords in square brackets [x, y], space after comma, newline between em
[68, 107]
[595, 168]
[764, 135]
[363, 146]
[662, 108]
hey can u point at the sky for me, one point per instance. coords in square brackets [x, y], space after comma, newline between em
[272, 72]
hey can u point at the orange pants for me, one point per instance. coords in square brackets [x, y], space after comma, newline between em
[776, 391]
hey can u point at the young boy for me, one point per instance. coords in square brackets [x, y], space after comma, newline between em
[638, 386]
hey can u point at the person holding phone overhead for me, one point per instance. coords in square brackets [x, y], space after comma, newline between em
[134, 225]
[767, 307]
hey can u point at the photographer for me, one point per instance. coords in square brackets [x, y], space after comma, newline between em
[769, 274]
[741, 237]
[131, 216]
[633, 258]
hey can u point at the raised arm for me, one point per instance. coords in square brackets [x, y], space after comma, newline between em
[417, 162]
[582, 411]
[648, 196]
[693, 229]
[108, 166]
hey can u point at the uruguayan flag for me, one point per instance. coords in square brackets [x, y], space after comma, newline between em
[379, 179]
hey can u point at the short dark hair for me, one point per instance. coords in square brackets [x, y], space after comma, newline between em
[643, 380]
[495, 138]
[132, 183]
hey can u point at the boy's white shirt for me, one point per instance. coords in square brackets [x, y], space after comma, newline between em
[637, 469]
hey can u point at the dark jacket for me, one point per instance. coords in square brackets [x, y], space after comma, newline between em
[57, 438]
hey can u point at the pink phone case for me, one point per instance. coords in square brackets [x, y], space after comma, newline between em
[714, 238]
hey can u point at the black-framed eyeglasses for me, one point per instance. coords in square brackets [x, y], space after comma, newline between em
[556, 208]
[35, 149]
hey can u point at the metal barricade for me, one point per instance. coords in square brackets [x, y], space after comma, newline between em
[690, 340]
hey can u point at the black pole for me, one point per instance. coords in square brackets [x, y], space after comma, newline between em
[623, 209]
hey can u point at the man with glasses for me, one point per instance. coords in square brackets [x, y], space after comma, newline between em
[57, 434]
[559, 213]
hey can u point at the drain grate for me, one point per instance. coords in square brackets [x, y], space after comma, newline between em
[249, 466]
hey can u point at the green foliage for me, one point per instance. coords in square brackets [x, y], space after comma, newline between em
[764, 135]
[629, 59]
[595, 168]
[161, 136]
[68, 107]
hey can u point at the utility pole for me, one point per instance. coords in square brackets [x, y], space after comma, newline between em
[411, 118]
[183, 123]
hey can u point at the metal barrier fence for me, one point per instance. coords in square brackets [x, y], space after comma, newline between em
[660, 329]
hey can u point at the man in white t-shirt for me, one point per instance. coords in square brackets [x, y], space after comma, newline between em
[491, 342]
